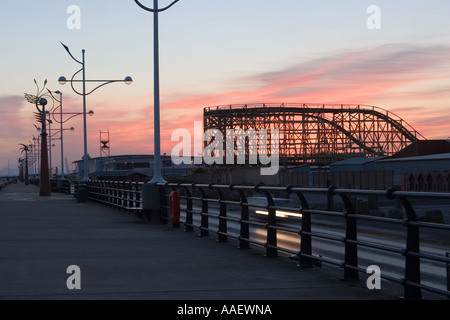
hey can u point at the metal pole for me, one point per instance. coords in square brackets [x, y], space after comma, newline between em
[157, 177]
[50, 144]
[86, 162]
[62, 135]
[45, 190]
[447, 254]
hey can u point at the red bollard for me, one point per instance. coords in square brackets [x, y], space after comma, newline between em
[174, 208]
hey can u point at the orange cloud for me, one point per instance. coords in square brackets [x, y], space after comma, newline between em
[408, 80]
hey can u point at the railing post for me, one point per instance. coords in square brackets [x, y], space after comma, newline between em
[244, 237]
[189, 219]
[123, 195]
[447, 254]
[126, 196]
[305, 233]
[222, 235]
[108, 192]
[115, 194]
[271, 245]
[138, 195]
[135, 188]
[412, 262]
[351, 248]
[164, 200]
[204, 225]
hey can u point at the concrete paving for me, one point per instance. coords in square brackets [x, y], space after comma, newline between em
[122, 258]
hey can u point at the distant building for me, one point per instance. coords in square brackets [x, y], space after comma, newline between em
[424, 148]
[356, 164]
[422, 173]
[131, 167]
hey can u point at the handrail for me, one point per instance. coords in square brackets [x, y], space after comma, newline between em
[205, 208]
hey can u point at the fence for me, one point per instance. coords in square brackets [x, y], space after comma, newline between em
[126, 196]
[204, 204]
[368, 180]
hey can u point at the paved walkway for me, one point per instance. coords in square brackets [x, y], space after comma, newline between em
[121, 257]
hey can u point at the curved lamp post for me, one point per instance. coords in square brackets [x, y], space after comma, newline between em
[157, 177]
[61, 122]
[62, 80]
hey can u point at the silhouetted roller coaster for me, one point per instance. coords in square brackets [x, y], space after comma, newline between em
[319, 134]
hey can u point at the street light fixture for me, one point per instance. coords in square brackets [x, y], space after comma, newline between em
[157, 177]
[62, 80]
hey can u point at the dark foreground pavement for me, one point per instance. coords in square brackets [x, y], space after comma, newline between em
[120, 257]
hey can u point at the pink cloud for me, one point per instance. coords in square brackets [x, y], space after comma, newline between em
[408, 80]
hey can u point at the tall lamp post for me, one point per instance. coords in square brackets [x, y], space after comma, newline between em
[157, 176]
[44, 186]
[38, 100]
[62, 133]
[62, 80]
[62, 122]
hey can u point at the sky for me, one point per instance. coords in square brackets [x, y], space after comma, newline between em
[390, 54]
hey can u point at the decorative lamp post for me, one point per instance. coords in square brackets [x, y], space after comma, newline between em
[62, 80]
[157, 176]
[40, 103]
[45, 186]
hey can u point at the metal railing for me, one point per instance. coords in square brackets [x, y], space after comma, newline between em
[126, 196]
[203, 205]
[3, 183]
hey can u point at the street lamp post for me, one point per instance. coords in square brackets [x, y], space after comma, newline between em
[62, 122]
[44, 186]
[62, 133]
[84, 94]
[50, 145]
[157, 176]
[39, 100]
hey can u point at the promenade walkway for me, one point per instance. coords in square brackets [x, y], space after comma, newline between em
[120, 257]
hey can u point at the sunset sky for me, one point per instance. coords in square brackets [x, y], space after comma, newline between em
[219, 52]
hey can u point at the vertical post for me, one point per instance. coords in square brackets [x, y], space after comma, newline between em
[27, 178]
[62, 136]
[447, 254]
[86, 162]
[305, 234]
[204, 224]
[50, 143]
[189, 219]
[412, 263]
[222, 218]
[44, 188]
[244, 242]
[351, 248]
[271, 250]
[157, 177]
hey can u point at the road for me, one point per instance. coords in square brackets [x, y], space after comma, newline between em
[433, 273]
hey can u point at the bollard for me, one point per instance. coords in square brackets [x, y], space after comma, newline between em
[151, 205]
[82, 193]
[174, 207]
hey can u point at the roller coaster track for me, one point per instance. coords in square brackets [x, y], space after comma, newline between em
[319, 134]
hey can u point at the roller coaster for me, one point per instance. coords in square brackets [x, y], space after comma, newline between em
[318, 134]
